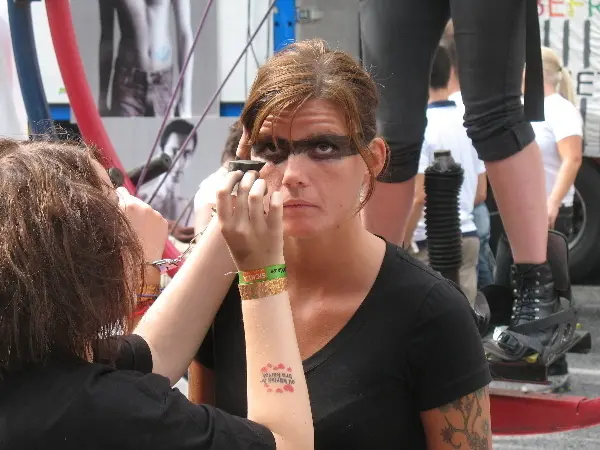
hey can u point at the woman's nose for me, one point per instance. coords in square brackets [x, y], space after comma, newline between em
[296, 170]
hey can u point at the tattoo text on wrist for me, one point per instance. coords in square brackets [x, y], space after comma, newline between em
[277, 378]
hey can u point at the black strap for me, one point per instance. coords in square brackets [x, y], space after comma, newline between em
[134, 354]
[558, 318]
[534, 75]
[124, 353]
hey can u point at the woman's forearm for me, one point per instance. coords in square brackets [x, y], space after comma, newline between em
[277, 392]
[565, 178]
[177, 322]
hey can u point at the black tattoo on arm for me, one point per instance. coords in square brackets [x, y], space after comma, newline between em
[466, 422]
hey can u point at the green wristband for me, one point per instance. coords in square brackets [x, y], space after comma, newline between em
[258, 275]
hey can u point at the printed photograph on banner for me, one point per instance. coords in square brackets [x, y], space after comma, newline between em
[134, 51]
[179, 142]
[188, 190]
[572, 29]
[140, 58]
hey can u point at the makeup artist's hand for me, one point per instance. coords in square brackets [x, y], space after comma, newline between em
[255, 238]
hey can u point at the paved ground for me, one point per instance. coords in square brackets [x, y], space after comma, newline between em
[585, 381]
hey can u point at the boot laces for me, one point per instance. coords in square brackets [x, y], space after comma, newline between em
[525, 293]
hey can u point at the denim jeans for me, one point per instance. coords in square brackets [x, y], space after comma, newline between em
[139, 93]
[487, 263]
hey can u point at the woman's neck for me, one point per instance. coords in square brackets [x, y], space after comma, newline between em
[549, 90]
[347, 257]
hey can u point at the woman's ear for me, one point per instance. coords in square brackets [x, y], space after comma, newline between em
[379, 153]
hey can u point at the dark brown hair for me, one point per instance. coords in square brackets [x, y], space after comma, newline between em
[69, 261]
[310, 69]
[231, 144]
[440, 69]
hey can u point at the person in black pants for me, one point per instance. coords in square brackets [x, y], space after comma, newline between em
[494, 40]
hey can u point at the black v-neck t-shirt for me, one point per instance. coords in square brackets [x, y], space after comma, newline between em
[411, 346]
[75, 405]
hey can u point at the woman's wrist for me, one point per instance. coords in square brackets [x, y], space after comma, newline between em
[554, 202]
[264, 282]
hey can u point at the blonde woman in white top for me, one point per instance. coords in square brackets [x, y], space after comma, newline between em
[560, 137]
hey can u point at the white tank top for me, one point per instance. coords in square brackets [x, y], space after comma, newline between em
[562, 120]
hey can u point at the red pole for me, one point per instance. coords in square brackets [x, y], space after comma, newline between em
[80, 96]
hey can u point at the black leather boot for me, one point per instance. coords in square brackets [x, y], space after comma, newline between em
[534, 296]
[536, 290]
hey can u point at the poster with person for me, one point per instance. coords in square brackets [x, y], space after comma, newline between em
[133, 52]
[141, 56]
[165, 193]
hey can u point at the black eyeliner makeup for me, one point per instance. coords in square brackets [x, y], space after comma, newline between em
[278, 150]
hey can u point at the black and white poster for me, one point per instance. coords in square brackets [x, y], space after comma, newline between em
[133, 52]
[572, 29]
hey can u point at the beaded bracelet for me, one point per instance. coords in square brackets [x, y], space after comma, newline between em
[262, 289]
[149, 289]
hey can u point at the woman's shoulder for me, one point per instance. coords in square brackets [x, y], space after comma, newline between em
[403, 270]
[557, 107]
[426, 291]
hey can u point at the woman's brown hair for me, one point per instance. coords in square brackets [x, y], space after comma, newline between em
[310, 69]
[69, 261]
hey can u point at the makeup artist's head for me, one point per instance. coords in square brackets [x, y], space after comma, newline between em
[311, 116]
[70, 262]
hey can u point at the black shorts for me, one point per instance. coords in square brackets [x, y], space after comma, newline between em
[398, 42]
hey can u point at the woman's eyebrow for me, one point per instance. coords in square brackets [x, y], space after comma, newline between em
[309, 140]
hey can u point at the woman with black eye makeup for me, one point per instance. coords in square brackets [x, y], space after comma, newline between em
[390, 350]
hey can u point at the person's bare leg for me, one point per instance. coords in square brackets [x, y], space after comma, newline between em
[519, 190]
[386, 213]
[399, 59]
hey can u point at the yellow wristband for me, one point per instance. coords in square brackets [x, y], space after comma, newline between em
[262, 289]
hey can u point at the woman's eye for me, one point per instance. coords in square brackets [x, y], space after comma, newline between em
[266, 149]
[325, 148]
